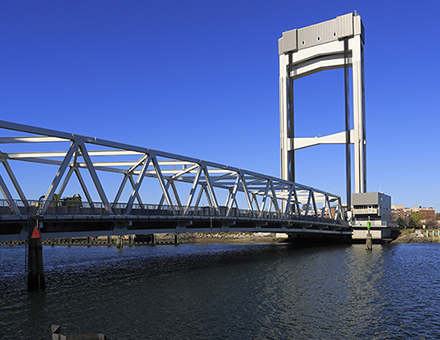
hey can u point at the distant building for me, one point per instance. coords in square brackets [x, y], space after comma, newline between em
[403, 212]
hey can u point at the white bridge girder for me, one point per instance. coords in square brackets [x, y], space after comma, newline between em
[180, 178]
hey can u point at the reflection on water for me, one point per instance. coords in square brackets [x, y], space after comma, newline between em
[226, 292]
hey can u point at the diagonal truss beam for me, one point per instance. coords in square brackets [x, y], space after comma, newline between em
[95, 178]
[7, 195]
[137, 186]
[52, 188]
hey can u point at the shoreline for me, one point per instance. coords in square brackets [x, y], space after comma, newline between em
[418, 236]
[164, 239]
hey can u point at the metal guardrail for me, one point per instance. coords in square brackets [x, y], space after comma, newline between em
[57, 208]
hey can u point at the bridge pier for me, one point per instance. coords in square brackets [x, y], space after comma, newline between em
[35, 270]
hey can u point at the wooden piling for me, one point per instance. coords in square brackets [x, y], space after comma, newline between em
[369, 238]
[36, 279]
[119, 243]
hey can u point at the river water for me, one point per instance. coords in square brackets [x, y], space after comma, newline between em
[270, 291]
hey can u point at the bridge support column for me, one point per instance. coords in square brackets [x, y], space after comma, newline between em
[35, 268]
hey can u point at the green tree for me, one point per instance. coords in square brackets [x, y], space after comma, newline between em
[415, 219]
[401, 222]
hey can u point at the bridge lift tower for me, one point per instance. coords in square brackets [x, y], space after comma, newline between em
[332, 44]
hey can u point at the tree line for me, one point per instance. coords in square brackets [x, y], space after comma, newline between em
[417, 220]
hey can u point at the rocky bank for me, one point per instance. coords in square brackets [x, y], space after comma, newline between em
[417, 237]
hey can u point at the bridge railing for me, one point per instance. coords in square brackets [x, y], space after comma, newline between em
[57, 208]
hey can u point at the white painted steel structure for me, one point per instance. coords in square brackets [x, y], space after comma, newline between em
[182, 184]
[332, 44]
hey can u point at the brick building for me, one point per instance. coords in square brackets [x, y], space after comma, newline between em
[400, 211]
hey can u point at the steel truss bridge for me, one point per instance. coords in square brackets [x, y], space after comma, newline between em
[184, 194]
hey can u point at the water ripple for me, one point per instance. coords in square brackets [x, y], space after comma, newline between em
[227, 292]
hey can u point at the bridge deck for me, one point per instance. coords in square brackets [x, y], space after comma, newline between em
[74, 221]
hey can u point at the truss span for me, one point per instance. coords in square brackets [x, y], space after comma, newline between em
[156, 191]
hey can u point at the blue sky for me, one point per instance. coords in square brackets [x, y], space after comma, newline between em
[200, 78]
